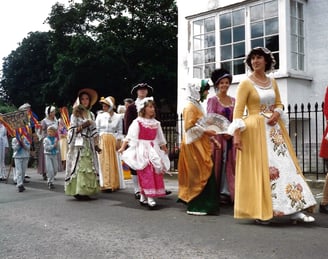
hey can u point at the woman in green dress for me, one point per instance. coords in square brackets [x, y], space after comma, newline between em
[82, 164]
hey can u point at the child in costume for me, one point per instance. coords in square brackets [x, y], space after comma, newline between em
[147, 152]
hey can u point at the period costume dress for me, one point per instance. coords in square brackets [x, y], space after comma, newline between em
[324, 154]
[3, 146]
[110, 129]
[225, 157]
[45, 123]
[82, 163]
[145, 136]
[62, 134]
[269, 181]
[197, 184]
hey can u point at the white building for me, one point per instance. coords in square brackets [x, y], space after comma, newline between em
[219, 33]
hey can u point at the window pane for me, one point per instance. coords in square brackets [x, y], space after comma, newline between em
[226, 52]
[257, 29]
[225, 20]
[276, 57]
[209, 40]
[301, 62]
[238, 67]
[294, 61]
[209, 25]
[293, 43]
[198, 27]
[208, 69]
[238, 17]
[257, 43]
[198, 57]
[227, 66]
[271, 9]
[238, 33]
[300, 28]
[210, 55]
[256, 13]
[272, 43]
[271, 26]
[293, 25]
[300, 11]
[293, 8]
[198, 40]
[239, 50]
[197, 72]
[225, 36]
[301, 45]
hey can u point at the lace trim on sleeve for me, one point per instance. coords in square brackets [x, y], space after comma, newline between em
[236, 124]
[279, 110]
[193, 134]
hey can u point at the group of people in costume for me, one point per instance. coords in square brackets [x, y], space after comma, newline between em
[250, 164]
[253, 162]
[97, 146]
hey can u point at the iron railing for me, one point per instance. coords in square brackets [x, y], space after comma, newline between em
[306, 124]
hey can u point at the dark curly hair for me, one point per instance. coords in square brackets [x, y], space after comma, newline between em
[264, 52]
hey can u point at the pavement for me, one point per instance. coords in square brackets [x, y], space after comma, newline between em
[42, 223]
[315, 181]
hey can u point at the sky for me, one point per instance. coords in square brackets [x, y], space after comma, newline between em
[18, 18]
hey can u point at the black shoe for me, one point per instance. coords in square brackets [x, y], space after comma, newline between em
[323, 208]
[82, 197]
[262, 222]
[225, 200]
[27, 177]
[107, 191]
[45, 178]
[25, 181]
[21, 188]
[137, 195]
[167, 192]
[51, 186]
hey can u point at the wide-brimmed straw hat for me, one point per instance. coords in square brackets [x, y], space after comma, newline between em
[142, 86]
[110, 101]
[92, 94]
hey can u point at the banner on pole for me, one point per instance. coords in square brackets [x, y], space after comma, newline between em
[16, 120]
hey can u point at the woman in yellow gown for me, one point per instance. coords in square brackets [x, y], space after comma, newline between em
[197, 183]
[269, 181]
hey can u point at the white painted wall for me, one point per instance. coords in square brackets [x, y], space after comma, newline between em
[295, 88]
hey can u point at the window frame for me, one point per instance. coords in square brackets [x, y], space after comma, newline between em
[284, 32]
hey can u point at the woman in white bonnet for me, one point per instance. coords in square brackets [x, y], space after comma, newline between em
[110, 128]
[49, 120]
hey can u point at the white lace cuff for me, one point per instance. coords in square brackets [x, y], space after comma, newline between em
[279, 110]
[193, 134]
[236, 124]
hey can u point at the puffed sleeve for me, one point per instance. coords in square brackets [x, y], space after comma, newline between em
[160, 138]
[133, 133]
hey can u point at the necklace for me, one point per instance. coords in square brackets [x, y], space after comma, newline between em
[265, 82]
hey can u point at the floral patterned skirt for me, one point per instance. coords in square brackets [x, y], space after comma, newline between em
[290, 192]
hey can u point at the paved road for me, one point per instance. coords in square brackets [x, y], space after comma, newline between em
[47, 224]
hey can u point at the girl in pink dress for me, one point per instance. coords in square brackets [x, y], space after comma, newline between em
[147, 152]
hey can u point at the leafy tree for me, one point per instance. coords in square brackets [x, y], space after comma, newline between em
[106, 45]
[26, 71]
[112, 45]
